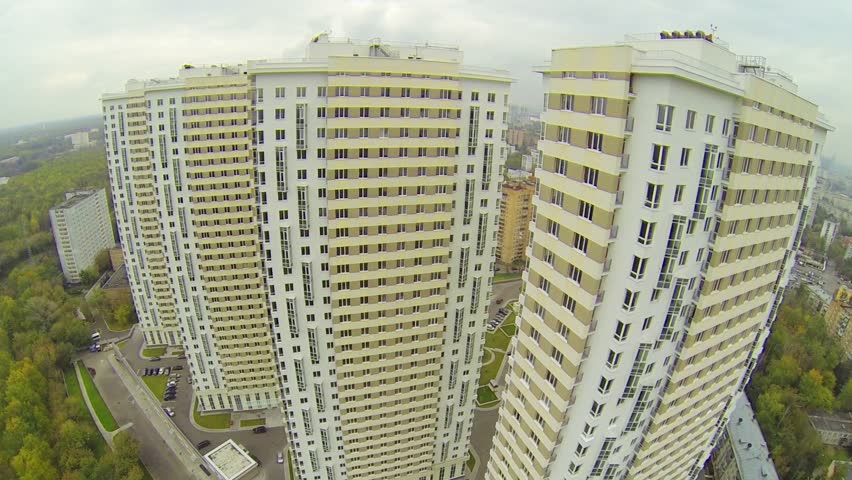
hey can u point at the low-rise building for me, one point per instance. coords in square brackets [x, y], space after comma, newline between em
[817, 299]
[833, 428]
[741, 452]
[231, 461]
[81, 229]
[79, 139]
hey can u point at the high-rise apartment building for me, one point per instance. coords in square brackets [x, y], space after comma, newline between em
[319, 234]
[515, 214]
[81, 229]
[671, 202]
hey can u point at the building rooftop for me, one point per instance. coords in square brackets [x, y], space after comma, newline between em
[749, 446]
[230, 460]
[73, 198]
[832, 422]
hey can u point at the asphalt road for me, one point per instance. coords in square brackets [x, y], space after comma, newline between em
[157, 457]
[264, 446]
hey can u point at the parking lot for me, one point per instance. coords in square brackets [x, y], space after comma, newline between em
[264, 446]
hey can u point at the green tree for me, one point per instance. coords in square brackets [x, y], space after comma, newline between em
[34, 461]
[102, 261]
[814, 392]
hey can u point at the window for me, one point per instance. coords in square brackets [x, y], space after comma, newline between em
[586, 210]
[563, 134]
[474, 96]
[621, 331]
[678, 195]
[613, 359]
[637, 271]
[322, 91]
[567, 102]
[594, 141]
[684, 157]
[590, 176]
[581, 243]
[665, 113]
[752, 133]
[604, 386]
[652, 195]
[598, 105]
[280, 92]
[726, 123]
[492, 97]
[690, 119]
[659, 156]
[600, 75]
[575, 274]
[596, 410]
[279, 114]
[570, 304]
[646, 232]
[630, 300]
[708, 124]
[552, 228]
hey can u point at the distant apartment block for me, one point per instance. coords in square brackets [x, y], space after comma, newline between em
[675, 181]
[521, 138]
[81, 229]
[828, 231]
[79, 139]
[741, 452]
[515, 214]
[319, 235]
[837, 316]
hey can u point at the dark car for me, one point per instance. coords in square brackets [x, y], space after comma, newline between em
[260, 429]
[155, 359]
[204, 469]
[177, 367]
[202, 444]
[168, 398]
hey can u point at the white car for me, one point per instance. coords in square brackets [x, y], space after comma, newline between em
[280, 458]
[169, 411]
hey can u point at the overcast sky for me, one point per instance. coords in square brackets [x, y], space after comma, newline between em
[60, 55]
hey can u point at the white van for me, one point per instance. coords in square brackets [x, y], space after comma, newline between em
[96, 336]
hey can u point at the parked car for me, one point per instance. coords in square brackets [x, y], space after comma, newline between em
[96, 337]
[202, 444]
[204, 469]
[280, 457]
[159, 371]
[499, 301]
[155, 359]
[95, 347]
[169, 411]
[260, 429]
[166, 371]
[169, 398]
[177, 367]
[181, 357]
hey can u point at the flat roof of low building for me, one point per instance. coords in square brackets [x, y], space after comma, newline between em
[839, 422]
[750, 450]
[230, 461]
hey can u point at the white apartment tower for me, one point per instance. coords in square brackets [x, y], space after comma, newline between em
[81, 229]
[671, 200]
[319, 234]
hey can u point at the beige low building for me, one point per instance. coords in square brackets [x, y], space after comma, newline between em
[515, 214]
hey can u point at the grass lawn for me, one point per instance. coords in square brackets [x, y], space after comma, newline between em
[471, 461]
[157, 385]
[73, 387]
[497, 339]
[509, 330]
[489, 372]
[121, 345]
[290, 466]
[506, 277]
[97, 401]
[485, 396]
[116, 326]
[154, 352]
[218, 421]
[253, 422]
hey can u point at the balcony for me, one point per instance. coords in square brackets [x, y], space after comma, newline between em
[625, 161]
[619, 198]
[628, 125]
